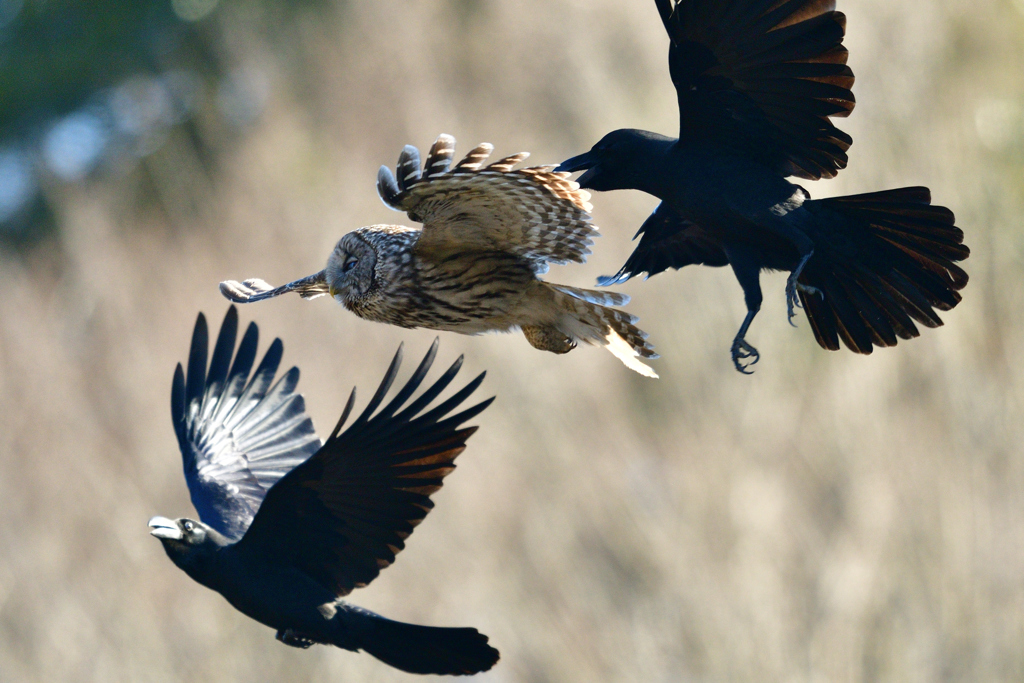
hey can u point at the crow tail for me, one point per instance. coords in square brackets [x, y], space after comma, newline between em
[881, 262]
[420, 649]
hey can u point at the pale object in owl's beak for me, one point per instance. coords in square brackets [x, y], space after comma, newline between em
[254, 289]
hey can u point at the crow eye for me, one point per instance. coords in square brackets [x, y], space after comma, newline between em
[189, 526]
[349, 264]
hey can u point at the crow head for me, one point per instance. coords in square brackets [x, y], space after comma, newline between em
[621, 160]
[191, 545]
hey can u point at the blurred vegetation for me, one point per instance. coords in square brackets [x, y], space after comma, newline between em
[832, 518]
[92, 89]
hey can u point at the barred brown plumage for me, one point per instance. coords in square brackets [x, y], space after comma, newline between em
[488, 232]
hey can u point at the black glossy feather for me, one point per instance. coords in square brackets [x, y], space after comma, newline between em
[237, 436]
[667, 240]
[328, 523]
[758, 82]
[746, 72]
[344, 513]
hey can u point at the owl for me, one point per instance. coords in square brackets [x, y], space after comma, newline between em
[488, 233]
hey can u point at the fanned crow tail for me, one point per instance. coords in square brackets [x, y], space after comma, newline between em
[421, 649]
[882, 261]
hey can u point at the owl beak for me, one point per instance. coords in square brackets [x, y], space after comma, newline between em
[333, 291]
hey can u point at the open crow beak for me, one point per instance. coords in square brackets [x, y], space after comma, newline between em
[585, 161]
[161, 527]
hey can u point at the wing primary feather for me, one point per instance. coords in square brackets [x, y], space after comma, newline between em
[239, 374]
[387, 187]
[430, 394]
[408, 168]
[465, 415]
[665, 10]
[456, 398]
[344, 416]
[505, 165]
[344, 514]
[413, 383]
[239, 434]
[440, 156]
[476, 156]
[220, 363]
[258, 385]
[385, 385]
[432, 422]
[195, 379]
[270, 402]
[178, 406]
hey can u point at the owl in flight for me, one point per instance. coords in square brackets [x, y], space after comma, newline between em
[488, 232]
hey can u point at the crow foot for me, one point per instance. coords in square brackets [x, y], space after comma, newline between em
[295, 639]
[742, 350]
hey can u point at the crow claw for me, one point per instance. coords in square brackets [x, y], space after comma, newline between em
[741, 350]
[294, 639]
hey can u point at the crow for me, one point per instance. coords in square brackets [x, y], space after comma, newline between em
[290, 526]
[757, 81]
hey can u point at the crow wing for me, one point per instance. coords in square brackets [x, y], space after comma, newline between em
[343, 515]
[667, 240]
[238, 436]
[532, 212]
[762, 78]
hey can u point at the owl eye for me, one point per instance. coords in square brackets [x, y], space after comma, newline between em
[349, 264]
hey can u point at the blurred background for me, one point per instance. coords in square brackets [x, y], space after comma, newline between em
[831, 518]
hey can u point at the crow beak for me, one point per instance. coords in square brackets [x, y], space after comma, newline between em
[161, 527]
[585, 161]
[577, 163]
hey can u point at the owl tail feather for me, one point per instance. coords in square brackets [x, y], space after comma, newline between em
[587, 318]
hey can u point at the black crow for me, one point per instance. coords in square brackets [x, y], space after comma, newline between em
[289, 526]
[757, 81]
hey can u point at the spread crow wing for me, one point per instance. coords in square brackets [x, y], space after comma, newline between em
[532, 212]
[667, 240]
[238, 436]
[762, 77]
[342, 515]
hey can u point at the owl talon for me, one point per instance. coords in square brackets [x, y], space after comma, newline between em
[548, 339]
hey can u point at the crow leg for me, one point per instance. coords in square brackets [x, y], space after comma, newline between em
[785, 226]
[792, 286]
[748, 273]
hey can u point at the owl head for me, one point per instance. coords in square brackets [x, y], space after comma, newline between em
[366, 261]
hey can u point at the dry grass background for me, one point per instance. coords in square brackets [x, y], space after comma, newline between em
[832, 518]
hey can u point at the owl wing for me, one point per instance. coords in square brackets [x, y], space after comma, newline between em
[238, 436]
[532, 212]
[343, 514]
